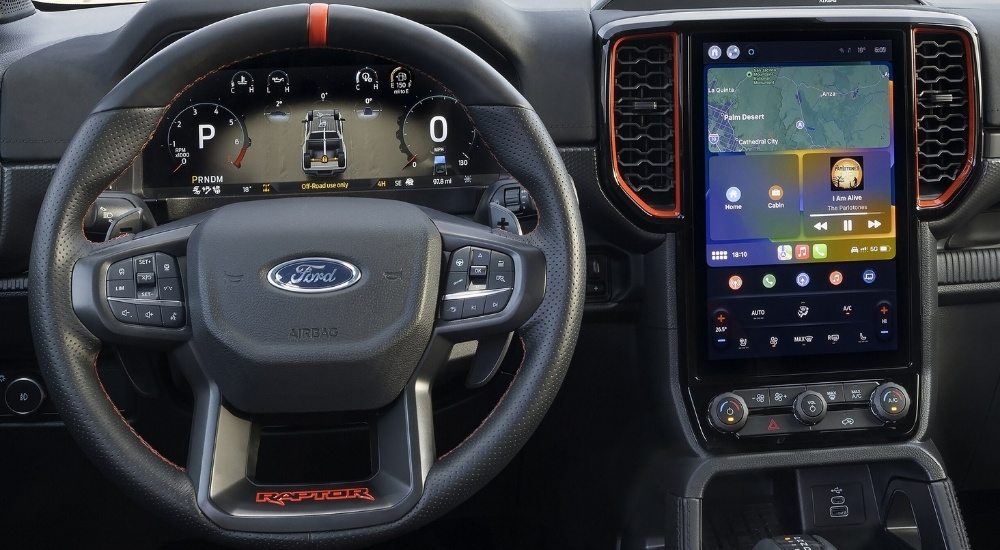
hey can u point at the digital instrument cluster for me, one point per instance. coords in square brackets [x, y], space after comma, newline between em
[314, 121]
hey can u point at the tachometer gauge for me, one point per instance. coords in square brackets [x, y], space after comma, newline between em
[437, 134]
[204, 136]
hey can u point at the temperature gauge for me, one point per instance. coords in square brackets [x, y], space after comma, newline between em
[366, 80]
[241, 83]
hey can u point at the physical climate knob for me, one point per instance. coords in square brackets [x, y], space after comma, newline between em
[890, 402]
[809, 407]
[727, 413]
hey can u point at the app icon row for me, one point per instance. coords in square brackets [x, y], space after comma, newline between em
[802, 279]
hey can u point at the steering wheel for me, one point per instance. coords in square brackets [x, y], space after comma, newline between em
[373, 340]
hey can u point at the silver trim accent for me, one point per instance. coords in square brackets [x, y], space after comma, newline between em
[287, 286]
[137, 301]
[475, 293]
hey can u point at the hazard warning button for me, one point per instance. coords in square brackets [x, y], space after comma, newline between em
[772, 424]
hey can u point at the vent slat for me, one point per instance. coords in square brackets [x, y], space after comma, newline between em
[644, 117]
[943, 105]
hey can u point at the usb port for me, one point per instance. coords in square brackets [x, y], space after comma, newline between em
[838, 500]
[838, 511]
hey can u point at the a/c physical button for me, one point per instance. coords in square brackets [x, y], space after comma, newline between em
[784, 395]
[756, 399]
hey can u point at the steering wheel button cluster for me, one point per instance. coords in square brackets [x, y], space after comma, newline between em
[479, 282]
[146, 290]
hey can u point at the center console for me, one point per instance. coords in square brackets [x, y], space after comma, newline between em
[804, 236]
[793, 159]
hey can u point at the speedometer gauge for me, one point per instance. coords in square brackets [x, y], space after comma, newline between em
[436, 134]
[204, 135]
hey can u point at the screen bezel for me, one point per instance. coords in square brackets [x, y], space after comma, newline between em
[769, 369]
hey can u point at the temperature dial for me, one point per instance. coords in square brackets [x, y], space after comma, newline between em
[727, 413]
[890, 402]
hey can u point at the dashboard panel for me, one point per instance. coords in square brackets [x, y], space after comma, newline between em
[311, 121]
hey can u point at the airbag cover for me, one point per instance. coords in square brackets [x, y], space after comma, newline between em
[272, 350]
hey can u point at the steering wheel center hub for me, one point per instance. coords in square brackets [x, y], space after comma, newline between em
[304, 305]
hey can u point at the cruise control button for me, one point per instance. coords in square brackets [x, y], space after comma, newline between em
[145, 264]
[166, 266]
[121, 289]
[460, 259]
[145, 278]
[501, 262]
[146, 292]
[500, 280]
[479, 256]
[496, 302]
[832, 393]
[452, 309]
[172, 316]
[473, 307]
[170, 289]
[457, 282]
[149, 315]
[120, 271]
[124, 312]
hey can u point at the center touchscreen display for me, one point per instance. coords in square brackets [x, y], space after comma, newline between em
[802, 213]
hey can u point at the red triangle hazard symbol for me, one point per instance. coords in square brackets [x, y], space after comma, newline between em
[773, 426]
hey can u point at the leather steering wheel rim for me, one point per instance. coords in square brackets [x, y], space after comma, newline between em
[113, 137]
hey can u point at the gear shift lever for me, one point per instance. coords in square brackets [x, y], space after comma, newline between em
[795, 542]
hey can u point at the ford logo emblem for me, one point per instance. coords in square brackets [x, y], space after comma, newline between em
[312, 275]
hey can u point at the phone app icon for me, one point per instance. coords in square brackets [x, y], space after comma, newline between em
[769, 281]
[819, 251]
[801, 252]
[785, 252]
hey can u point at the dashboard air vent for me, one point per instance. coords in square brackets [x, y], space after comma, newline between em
[945, 112]
[643, 118]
